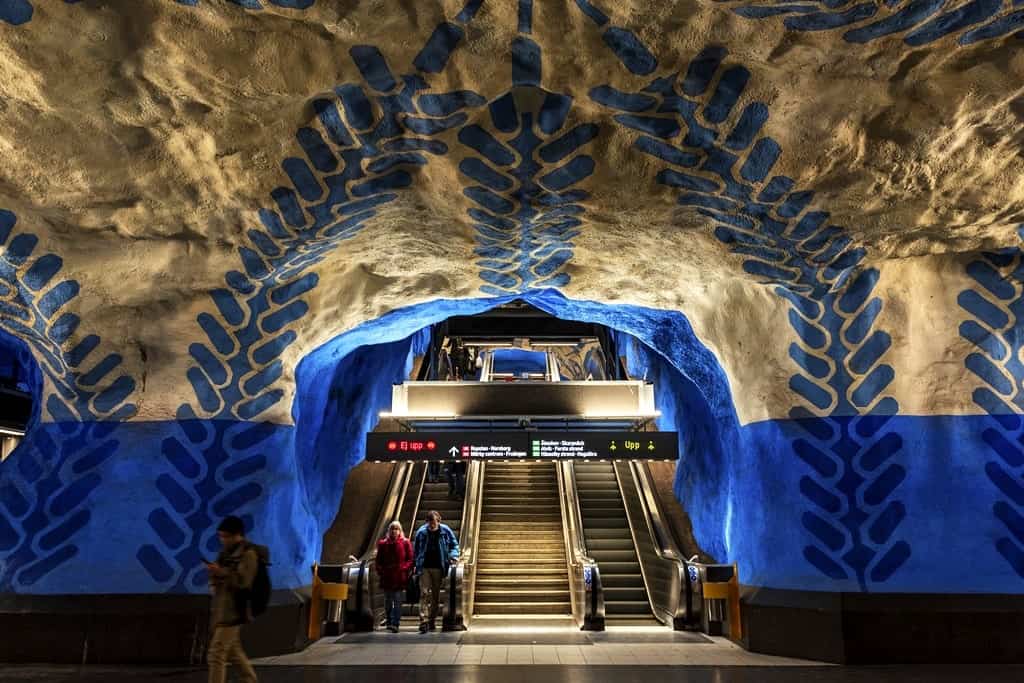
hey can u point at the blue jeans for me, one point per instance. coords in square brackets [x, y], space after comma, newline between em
[393, 607]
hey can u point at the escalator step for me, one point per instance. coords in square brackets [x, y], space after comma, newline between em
[632, 568]
[607, 522]
[597, 543]
[618, 580]
[603, 556]
[615, 533]
[624, 594]
[628, 607]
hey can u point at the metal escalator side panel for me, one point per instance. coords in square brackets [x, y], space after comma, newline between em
[462, 576]
[482, 475]
[409, 512]
[567, 539]
[588, 606]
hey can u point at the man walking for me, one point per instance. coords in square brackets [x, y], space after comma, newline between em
[230, 575]
[435, 548]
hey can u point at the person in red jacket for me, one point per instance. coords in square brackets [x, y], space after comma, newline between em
[394, 565]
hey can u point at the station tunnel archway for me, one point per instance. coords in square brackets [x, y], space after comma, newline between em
[658, 345]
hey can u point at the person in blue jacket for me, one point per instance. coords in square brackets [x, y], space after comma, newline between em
[435, 548]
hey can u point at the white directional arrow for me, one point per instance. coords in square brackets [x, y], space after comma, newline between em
[454, 451]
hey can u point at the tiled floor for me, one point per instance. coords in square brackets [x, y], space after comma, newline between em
[435, 649]
[617, 656]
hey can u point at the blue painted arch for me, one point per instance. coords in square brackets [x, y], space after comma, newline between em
[692, 391]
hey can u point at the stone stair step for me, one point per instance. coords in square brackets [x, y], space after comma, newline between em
[531, 595]
[523, 608]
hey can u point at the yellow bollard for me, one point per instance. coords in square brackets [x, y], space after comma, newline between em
[334, 591]
[322, 591]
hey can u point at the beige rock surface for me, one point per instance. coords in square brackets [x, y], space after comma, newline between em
[139, 140]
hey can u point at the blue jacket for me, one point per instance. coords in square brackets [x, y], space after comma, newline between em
[449, 545]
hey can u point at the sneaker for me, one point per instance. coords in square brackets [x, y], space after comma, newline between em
[424, 627]
[393, 629]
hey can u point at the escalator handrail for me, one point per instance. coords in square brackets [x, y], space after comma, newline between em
[422, 469]
[589, 612]
[664, 546]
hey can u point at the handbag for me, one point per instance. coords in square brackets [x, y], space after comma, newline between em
[412, 590]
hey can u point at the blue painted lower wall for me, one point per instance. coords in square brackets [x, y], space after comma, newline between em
[936, 499]
[139, 519]
[859, 503]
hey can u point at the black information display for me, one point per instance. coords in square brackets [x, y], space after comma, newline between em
[524, 445]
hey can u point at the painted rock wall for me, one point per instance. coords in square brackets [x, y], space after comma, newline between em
[806, 215]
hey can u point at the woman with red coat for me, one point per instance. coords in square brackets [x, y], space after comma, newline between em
[394, 564]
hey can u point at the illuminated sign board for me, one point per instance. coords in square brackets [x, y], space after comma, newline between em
[524, 445]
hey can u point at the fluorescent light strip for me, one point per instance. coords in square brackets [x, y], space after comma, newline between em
[414, 415]
[585, 416]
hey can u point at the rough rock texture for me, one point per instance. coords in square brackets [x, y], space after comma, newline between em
[806, 214]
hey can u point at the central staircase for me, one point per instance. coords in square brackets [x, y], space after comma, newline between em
[521, 566]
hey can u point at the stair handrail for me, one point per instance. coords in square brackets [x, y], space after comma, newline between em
[664, 570]
[462, 576]
[359, 572]
[585, 589]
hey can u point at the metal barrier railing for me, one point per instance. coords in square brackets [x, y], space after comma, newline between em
[585, 589]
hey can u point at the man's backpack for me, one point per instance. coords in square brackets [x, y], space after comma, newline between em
[253, 602]
[259, 596]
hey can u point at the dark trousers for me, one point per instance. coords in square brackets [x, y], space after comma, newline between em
[456, 483]
[393, 607]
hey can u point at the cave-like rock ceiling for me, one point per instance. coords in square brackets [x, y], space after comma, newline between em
[172, 169]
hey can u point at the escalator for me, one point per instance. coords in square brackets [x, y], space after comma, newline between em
[609, 541]
[410, 496]
[626, 567]
[434, 496]
[431, 496]
[423, 497]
